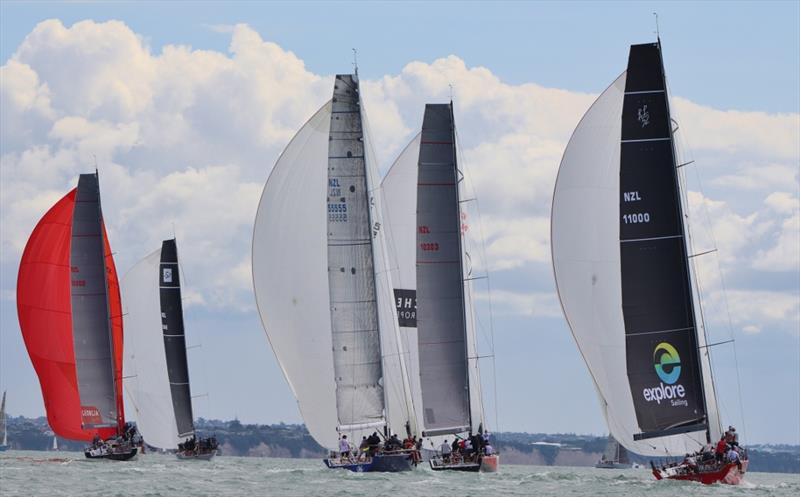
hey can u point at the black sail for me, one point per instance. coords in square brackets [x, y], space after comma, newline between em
[660, 327]
[174, 339]
[441, 318]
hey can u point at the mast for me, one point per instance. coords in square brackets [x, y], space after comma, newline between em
[115, 374]
[681, 216]
[460, 238]
[3, 419]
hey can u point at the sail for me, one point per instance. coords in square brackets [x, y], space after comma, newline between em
[70, 316]
[589, 243]
[615, 452]
[441, 316]
[399, 189]
[290, 274]
[175, 338]
[657, 300]
[3, 426]
[157, 377]
[351, 272]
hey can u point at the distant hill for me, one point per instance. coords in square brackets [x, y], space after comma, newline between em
[293, 441]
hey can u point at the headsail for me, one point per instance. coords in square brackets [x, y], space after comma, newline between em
[157, 377]
[70, 315]
[620, 264]
[3, 424]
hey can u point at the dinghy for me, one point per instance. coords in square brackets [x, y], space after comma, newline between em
[624, 275]
[70, 314]
[426, 224]
[323, 286]
[156, 366]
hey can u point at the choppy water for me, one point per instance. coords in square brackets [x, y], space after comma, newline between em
[35, 474]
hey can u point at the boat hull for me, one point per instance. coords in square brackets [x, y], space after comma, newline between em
[487, 464]
[203, 456]
[3, 448]
[729, 474]
[116, 455]
[612, 465]
[383, 463]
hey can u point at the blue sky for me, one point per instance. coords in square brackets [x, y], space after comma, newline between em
[209, 119]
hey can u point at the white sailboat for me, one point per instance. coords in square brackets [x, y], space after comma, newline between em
[615, 456]
[156, 367]
[323, 286]
[424, 219]
[624, 277]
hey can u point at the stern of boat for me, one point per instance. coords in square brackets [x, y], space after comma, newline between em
[490, 464]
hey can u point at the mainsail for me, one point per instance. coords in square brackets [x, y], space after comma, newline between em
[400, 192]
[621, 267]
[321, 278]
[156, 370]
[70, 315]
[441, 311]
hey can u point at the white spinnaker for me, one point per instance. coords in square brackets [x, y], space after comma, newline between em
[400, 404]
[586, 263]
[146, 379]
[399, 189]
[290, 274]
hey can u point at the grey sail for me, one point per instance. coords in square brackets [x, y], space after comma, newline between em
[174, 339]
[441, 316]
[351, 279]
[3, 427]
[91, 319]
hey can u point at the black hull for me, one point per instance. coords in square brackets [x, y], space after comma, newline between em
[114, 456]
[202, 456]
[382, 463]
[469, 468]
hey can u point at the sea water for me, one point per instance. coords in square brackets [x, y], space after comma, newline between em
[34, 474]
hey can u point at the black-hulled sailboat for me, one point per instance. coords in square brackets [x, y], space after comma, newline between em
[324, 291]
[156, 366]
[623, 274]
[70, 314]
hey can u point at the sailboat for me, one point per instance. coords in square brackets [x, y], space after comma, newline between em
[70, 314]
[624, 278]
[423, 193]
[55, 444]
[614, 457]
[156, 367]
[323, 288]
[3, 424]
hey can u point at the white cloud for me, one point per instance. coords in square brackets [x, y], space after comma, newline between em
[189, 136]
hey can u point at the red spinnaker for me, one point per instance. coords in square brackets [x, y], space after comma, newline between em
[45, 318]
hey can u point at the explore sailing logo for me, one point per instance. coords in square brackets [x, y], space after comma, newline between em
[667, 363]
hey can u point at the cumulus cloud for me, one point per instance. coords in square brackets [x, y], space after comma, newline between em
[189, 136]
